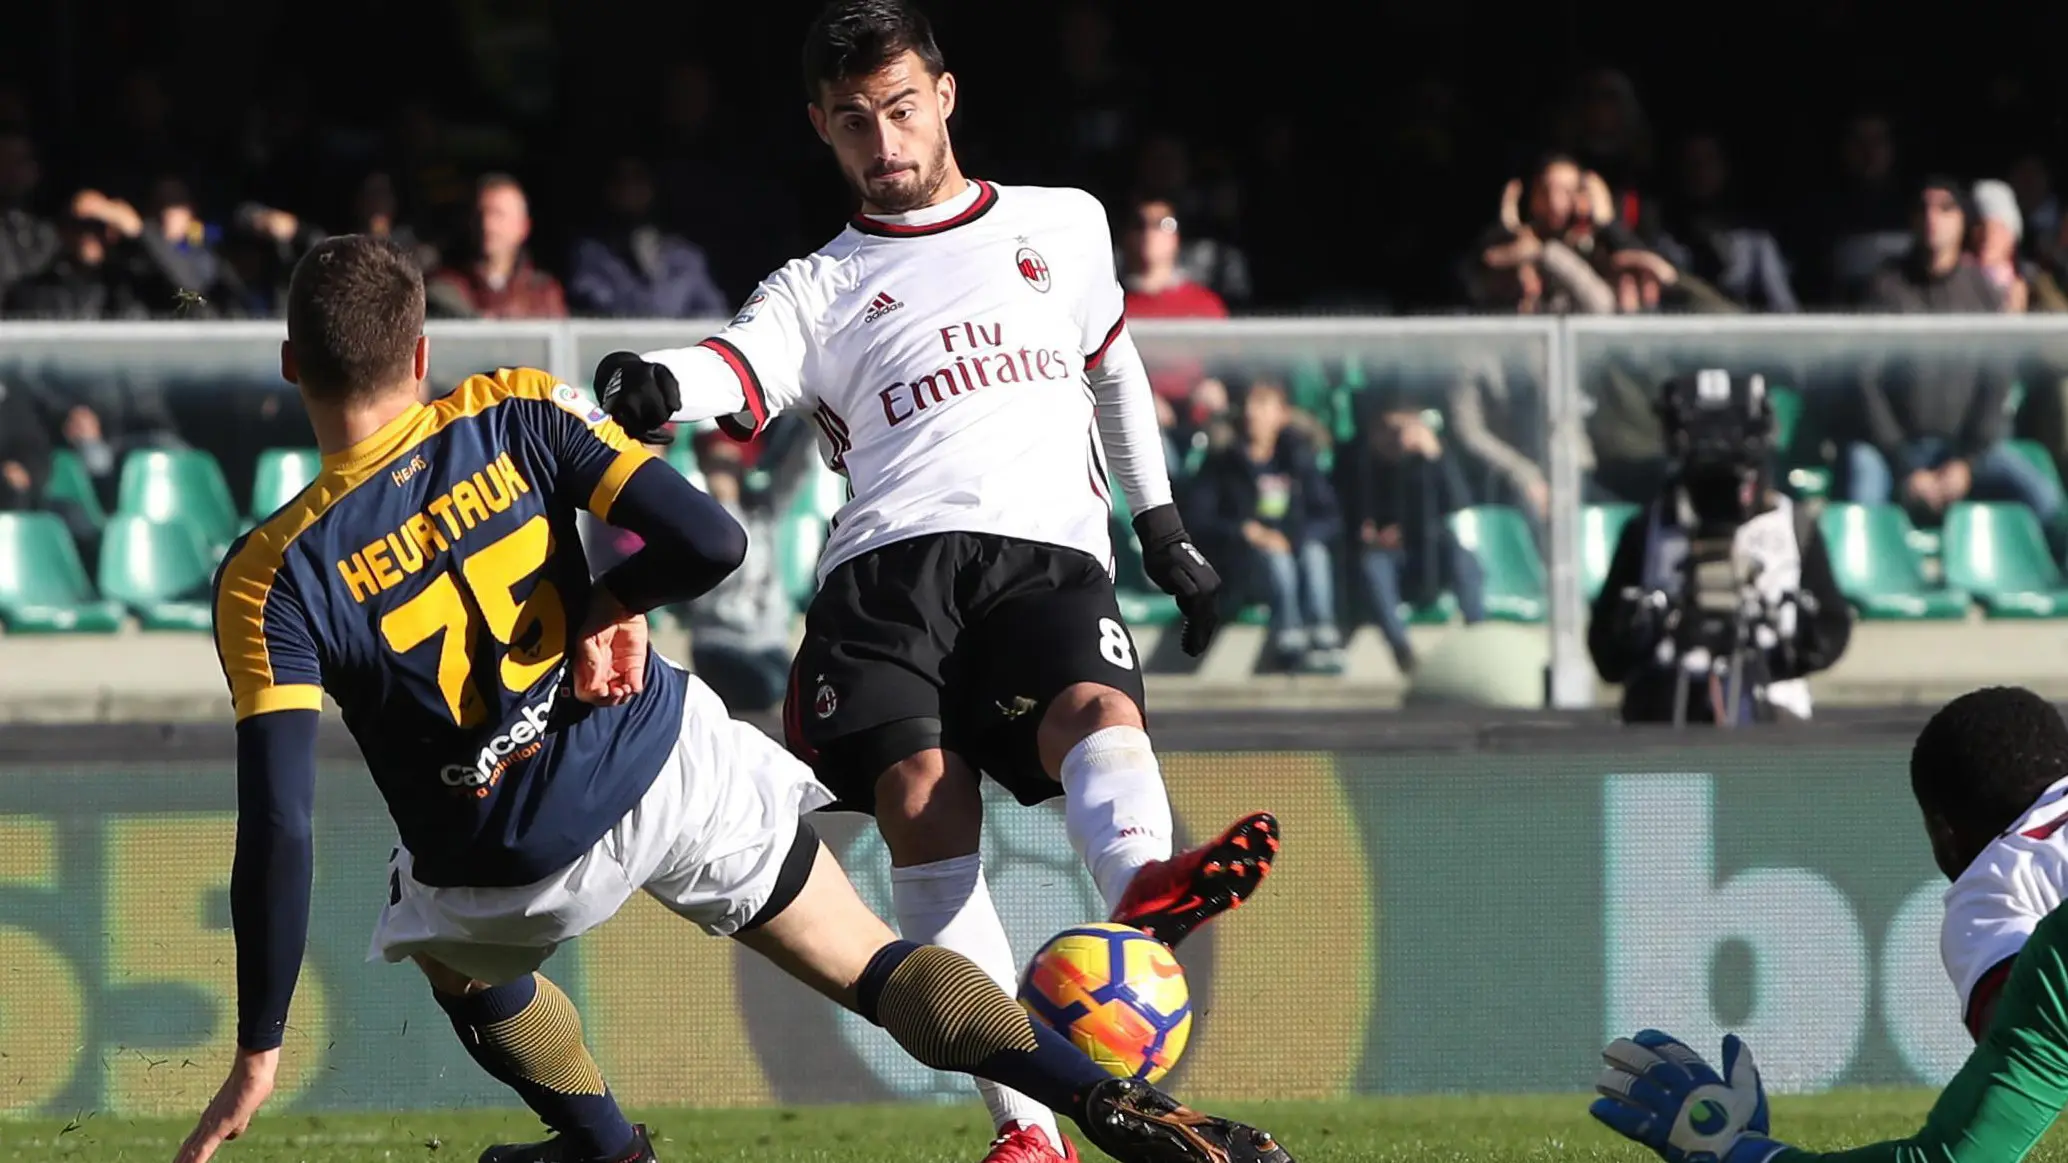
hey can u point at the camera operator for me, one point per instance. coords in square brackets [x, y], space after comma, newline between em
[1720, 598]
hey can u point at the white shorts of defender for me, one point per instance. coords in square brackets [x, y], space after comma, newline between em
[708, 840]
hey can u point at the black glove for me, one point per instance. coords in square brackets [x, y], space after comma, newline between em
[1180, 570]
[640, 396]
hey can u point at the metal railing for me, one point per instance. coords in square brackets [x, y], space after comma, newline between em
[1560, 362]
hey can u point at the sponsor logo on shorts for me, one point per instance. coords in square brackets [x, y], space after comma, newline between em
[519, 743]
[825, 702]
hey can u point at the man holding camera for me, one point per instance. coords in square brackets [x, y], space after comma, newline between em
[1720, 598]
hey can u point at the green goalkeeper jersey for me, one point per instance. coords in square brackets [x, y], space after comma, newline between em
[2015, 1083]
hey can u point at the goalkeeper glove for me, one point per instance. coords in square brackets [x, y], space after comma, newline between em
[1180, 570]
[1658, 1092]
[640, 396]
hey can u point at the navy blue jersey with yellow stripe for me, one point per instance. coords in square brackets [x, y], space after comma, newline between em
[430, 580]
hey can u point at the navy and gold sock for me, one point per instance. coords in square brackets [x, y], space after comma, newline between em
[950, 1015]
[527, 1034]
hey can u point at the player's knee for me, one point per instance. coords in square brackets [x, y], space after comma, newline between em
[929, 807]
[1082, 709]
[445, 979]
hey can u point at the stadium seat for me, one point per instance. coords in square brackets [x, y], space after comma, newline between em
[182, 485]
[281, 475]
[43, 586]
[1787, 405]
[1876, 569]
[69, 482]
[159, 569]
[1499, 536]
[1600, 528]
[2035, 454]
[1997, 553]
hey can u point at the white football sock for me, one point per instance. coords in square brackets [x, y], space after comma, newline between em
[946, 903]
[1115, 807]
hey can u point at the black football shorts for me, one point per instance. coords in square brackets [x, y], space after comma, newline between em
[975, 631]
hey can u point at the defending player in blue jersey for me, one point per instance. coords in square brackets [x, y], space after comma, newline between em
[540, 764]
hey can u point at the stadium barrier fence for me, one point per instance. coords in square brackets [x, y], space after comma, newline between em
[1462, 905]
[1555, 380]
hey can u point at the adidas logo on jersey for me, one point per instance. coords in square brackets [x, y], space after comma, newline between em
[880, 306]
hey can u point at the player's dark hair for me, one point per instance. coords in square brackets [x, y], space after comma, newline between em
[1986, 756]
[355, 309]
[853, 38]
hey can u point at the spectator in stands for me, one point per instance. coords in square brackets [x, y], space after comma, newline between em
[629, 268]
[1530, 261]
[165, 259]
[1708, 234]
[261, 247]
[739, 633]
[497, 280]
[1934, 423]
[1268, 511]
[24, 451]
[1993, 244]
[1406, 487]
[76, 284]
[28, 242]
[1608, 133]
[1206, 257]
[103, 417]
[1852, 230]
[2033, 181]
[1496, 411]
[375, 210]
[1156, 288]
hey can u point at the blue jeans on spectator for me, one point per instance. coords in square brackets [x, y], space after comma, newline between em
[1382, 570]
[1999, 475]
[1302, 589]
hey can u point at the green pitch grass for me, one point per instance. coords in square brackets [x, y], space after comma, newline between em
[1382, 1130]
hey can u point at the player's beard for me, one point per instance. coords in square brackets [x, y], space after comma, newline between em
[919, 190]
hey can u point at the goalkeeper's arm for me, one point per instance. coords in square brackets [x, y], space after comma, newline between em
[2013, 1085]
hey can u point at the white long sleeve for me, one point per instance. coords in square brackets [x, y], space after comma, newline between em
[710, 388]
[1128, 431]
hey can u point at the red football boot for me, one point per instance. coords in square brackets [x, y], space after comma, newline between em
[1026, 1143]
[1170, 898]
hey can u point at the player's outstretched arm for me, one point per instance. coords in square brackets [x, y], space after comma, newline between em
[270, 878]
[1658, 1092]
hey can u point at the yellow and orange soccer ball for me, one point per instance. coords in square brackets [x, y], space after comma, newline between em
[1117, 993]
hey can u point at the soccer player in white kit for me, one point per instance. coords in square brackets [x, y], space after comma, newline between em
[1990, 773]
[962, 350]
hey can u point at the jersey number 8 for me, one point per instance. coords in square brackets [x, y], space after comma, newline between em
[533, 633]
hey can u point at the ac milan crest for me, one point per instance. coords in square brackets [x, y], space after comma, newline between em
[826, 702]
[1033, 268]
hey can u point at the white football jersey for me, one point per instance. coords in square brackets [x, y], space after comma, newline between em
[943, 355]
[1995, 904]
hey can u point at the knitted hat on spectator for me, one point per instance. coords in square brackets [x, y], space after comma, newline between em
[1995, 200]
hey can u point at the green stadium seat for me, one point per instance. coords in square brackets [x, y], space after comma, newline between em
[2035, 454]
[182, 485]
[1877, 570]
[1499, 536]
[1440, 612]
[43, 586]
[1146, 607]
[159, 569]
[1601, 526]
[69, 482]
[280, 476]
[1997, 553]
[1787, 405]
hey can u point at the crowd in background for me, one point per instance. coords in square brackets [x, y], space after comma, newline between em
[1324, 486]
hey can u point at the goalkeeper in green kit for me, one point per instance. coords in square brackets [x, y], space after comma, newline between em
[1991, 774]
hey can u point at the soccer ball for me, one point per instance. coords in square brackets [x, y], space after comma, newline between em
[1117, 993]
